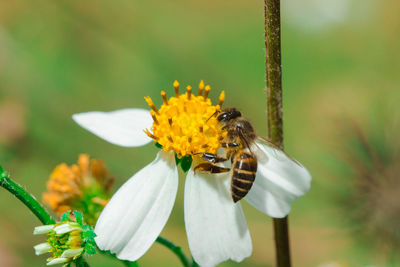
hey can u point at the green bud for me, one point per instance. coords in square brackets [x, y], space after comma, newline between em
[66, 240]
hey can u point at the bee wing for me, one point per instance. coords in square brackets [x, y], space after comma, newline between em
[243, 138]
[279, 180]
[277, 152]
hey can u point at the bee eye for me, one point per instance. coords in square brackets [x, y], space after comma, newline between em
[223, 117]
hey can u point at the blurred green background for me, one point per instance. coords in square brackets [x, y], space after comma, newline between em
[340, 62]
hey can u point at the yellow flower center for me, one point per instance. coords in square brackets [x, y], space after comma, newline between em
[186, 123]
[84, 186]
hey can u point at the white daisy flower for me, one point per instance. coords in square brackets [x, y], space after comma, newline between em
[185, 126]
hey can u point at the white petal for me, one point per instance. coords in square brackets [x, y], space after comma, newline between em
[122, 127]
[279, 181]
[43, 229]
[67, 227]
[42, 248]
[216, 227]
[58, 261]
[139, 210]
[69, 253]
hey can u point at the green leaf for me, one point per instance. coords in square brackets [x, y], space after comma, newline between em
[87, 227]
[78, 217]
[90, 249]
[158, 145]
[186, 162]
[65, 216]
[89, 235]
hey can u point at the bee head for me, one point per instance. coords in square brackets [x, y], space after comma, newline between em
[228, 114]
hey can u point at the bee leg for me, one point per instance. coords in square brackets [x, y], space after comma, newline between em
[212, 157]
[226, 145]
[208, 167]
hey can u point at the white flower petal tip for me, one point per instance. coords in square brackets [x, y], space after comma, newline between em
[57, 261]
[216, 227]
[122, 127]
[43, 229]
[66, 227]
[139, 210]
[279, 181]
[69, 253]
[42, 248]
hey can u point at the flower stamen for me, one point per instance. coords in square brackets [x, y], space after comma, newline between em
[153, 115]
[149, 134]
[208, 88]
[164, 96]
[201, 88]
[176, 86]
[189, 91]
[151, 104]
[221, 98]
[185, 123]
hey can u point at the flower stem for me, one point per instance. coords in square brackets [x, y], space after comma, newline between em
[45, 218]
[80, 262]
[25, 198]
[274, 111]
[178, 252]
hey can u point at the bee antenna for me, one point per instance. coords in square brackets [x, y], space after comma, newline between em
[212, 115]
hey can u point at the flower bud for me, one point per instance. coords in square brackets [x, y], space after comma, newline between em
[66, 240]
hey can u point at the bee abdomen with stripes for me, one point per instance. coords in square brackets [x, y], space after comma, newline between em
[243, 174]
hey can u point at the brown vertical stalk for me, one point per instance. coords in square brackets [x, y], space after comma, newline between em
[274, 111]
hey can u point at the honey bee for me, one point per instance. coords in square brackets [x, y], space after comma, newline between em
[237, 143]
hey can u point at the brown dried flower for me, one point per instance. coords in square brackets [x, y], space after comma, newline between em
[83, 186]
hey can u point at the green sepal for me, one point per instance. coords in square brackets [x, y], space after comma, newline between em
[78, 217]
[88, 233]
[90, 249]
[88, 236]
[87, 227]
[65, 216]
[177, 160]
[158, 145]
[186, 162]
